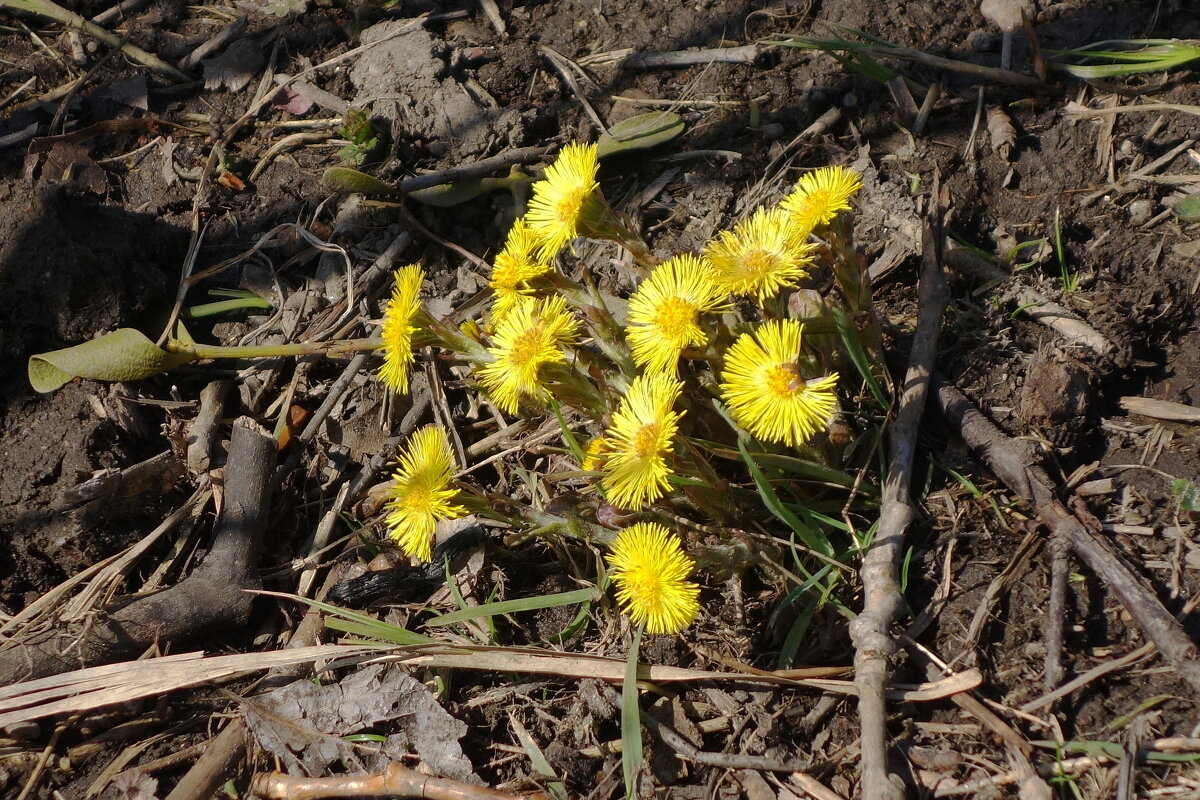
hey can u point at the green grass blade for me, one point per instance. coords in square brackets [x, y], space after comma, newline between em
[631, 720]
[515, 606]
[858, 356]
[365, 624]
[812, 537]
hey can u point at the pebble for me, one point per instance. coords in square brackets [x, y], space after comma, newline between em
[1140, 211]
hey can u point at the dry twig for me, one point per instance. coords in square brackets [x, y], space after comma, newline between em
[873, 643]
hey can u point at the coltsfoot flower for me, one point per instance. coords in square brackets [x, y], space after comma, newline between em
[563, 197]
[649, 569]
[820, 195]
[514, 266]
[529, 337]
[765, 392]
[761, 255]
[398, 328]
[422, 495]
[664, 312]
[640, 439]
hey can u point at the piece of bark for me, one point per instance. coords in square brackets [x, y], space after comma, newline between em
[208, 601]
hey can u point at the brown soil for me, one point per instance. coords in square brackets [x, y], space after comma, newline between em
[86, 247]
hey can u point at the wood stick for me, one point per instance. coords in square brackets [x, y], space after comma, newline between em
[1017, 466]
[209, 600]
[870, 631]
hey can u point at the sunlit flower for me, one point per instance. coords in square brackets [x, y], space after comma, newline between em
[422, 495]
[761, 255]
[529, 337]
[765, 392]
[398, 328]
[820, 195]
[664, 312]
[563, 197]
[649, 569]
[516, 265]
[640, 439]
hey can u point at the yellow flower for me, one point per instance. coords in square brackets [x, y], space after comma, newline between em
[516, 265]
[649, 569]
[763, 388]
[594, 455]
[664, 312]
[639, 439]
[398, 327]
[421, 495]
[562, 198]
[820, 195]
[761, 255]
[527, 338]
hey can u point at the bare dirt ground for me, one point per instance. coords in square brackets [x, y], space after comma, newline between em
[95, 230]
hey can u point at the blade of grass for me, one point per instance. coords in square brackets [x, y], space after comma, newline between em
[366, 625]
[515, 606]
[812, 538]
[858, 356]
[631, 720]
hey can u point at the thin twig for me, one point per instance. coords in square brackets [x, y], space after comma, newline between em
[870, 631]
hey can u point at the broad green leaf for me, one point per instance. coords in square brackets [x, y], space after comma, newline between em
[123, 355]
[639, 133]
[347, 180]
[1188, 209]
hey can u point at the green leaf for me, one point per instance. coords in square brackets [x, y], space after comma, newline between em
[123, 355]
[639, 133]
[1188, 209]
[347, 180]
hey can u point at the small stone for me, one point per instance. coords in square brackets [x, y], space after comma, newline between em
[1140, 211]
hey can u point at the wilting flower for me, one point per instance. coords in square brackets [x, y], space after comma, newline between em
[664, 312]
[761, 255]
[563, 197]
[820, 195]
[422, 495]
[398, 328]
[640, 439]
[516, 265]
[529, 337]
[765, 392]
[649, 569]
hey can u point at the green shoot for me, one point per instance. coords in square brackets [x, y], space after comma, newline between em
[1128, 57]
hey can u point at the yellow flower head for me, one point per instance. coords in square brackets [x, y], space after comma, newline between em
[421, 495]
[594, 454]
[649, 569]
[640, 439]
[562, 198]
[664, 312]
[761, 255]
[516, 265]
[530, 336]
[398, 327]
[763, 388]
[820, 195]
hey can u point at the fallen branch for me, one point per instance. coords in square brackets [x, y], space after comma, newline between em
[1017, 467]
[870, 631]
[208, 601]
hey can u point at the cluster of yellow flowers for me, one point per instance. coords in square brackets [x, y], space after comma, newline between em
[761, 373]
